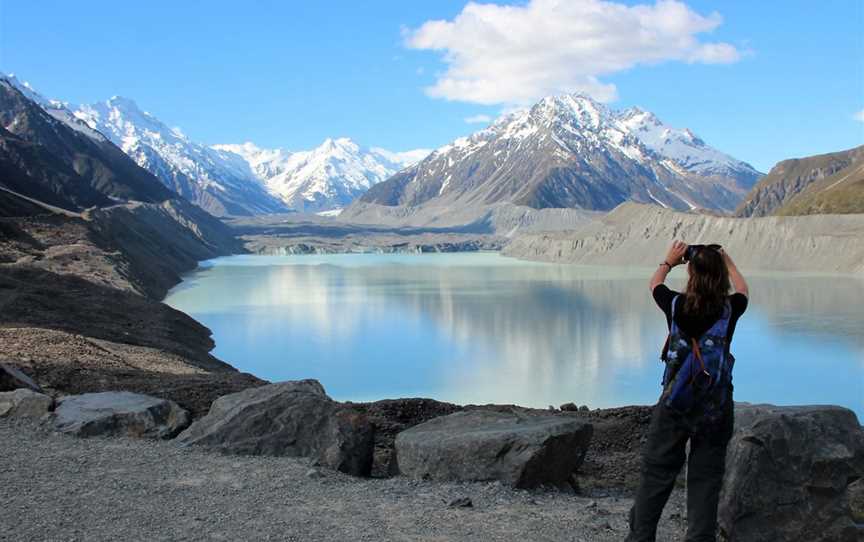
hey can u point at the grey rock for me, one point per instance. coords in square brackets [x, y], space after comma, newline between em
[12, 378]
[523, 451]
[314, 473]
[119, 413]
[461, 502]
[24, 403]
[295, 419]
[789, 472]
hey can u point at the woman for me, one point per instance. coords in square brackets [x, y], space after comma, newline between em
[705, 307]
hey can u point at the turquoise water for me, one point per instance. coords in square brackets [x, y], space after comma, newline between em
[481, 328]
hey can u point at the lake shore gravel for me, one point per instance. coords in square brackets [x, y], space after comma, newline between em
[59, 488]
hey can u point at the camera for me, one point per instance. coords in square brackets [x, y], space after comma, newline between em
[692, 250]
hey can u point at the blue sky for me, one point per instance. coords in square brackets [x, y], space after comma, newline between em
[786, 79]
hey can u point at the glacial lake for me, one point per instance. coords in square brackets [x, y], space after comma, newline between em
[482, 328]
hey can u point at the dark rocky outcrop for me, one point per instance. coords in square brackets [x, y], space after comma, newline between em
[791, 474]
[389, 417]
[12, 378]
[287, 419]
[24, 403]
[119, 414]
[524, 451]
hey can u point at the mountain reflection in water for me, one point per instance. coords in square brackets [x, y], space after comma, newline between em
[479, 328]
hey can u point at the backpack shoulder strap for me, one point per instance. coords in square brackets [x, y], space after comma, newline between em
[672, 325]
[673, 328]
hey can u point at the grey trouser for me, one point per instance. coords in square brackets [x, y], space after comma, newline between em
[663, 456]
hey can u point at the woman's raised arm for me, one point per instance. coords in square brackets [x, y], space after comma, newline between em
[674, 256]
[735, 276]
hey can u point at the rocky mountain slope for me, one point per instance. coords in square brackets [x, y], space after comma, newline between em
[89, 244]
[636, 234]
[570, 151]
[328, 177]
[48, 155]
[221, 183]
[232, 180]
[825, 183]
[841, 193]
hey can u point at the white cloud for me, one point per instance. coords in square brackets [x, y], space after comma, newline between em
[859, 116]
[517, 54]
[478, 119]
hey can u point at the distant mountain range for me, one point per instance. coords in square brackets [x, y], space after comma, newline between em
[571, 151]
[822, 184]
[328, 177]
[220, 183]
[564, 152]
[235, 180]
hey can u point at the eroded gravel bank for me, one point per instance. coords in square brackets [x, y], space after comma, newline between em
[56, 487]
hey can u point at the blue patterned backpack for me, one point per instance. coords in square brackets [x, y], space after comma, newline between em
[698, 374]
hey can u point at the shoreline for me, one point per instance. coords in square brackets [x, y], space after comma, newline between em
[79, 315]
[148, 364]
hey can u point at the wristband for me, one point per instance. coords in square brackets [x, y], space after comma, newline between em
[667, 264]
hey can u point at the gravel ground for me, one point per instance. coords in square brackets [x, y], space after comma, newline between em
[57, 487]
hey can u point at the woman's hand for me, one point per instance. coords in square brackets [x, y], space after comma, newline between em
[676, 253]
[673, 258]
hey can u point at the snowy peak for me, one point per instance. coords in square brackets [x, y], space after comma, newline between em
[681, 146]
[325, 178]
[572, 151]
[123, 118]
[220, 182]
[265, 163]
[57, 109]
[573, 109]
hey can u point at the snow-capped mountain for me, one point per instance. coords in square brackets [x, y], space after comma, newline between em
[219, 182]
[571, 151]
[57, 109]
[48, 155]
[325, 178]
[682, 146]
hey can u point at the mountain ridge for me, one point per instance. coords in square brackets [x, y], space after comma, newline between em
[802, 185]
[47, 155]
[571, 151]
[231, 180]
[219, 183]
[327, 177]
[635, 234]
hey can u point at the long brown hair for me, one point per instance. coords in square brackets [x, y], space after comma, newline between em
[708, 285]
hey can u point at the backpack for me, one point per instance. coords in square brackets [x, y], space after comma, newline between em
[698, 375]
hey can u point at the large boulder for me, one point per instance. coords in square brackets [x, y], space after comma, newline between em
[12, 378]
[24, 403]
[287, 419]
[119, 413]
[791, 475]
[521, 450]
